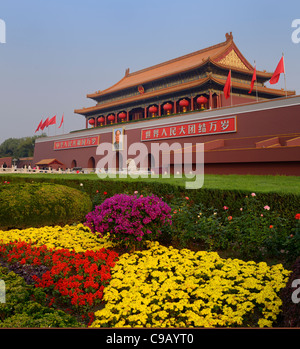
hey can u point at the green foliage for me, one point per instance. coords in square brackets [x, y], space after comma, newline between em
[33, 205]
[284, 203]
[254, 230]
[22, 307]
[246, 232]
[18, 147]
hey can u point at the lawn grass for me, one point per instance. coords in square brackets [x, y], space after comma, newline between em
[252, 183]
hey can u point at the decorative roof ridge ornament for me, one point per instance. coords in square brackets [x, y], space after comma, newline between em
[229, 37]
[127, 72]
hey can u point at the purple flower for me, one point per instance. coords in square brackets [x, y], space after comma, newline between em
[129, 216]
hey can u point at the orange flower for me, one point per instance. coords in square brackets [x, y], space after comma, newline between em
[229, 218]
[271, 226]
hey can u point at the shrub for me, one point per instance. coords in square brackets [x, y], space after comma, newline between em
[254, 230]
[34, 205]
[259, 230]
[292, 244]
[128, 218]
[284, 204]
[21, 310]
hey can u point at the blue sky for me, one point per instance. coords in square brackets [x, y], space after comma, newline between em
[58, 51]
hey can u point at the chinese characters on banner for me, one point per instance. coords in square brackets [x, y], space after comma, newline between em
[77, 143]
[204, 127]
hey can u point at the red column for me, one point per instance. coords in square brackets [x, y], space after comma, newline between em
[210, 99]
[175, 107]
[127, 119]
[192, 103]
[159, 110]
[86, 123]
[145, 112]
[105, 120]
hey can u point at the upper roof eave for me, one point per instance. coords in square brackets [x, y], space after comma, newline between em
[261, 89]
[261, 74]
[219, 48]
[167, 90]
[190, 84]
[223, 47]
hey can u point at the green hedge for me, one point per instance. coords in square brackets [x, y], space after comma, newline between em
[285, 204]
[38, 204]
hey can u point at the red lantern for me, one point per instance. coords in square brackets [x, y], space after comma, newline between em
[202, 100]
[101, 120]
[153, 110]
[111, 118]
[92, 122]
[122, 116]
[184, 104]
[168, 107]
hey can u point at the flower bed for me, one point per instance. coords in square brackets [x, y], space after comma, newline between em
[75, 279]
[77, 264]
[159, 286]
[166, 287]
[24, 306]
[78, 238]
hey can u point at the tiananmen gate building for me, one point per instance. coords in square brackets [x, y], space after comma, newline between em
[182, 100]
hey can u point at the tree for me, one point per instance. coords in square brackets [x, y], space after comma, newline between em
[18, 147]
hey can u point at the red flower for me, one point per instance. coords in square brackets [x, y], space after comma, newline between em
[271, 226]
[297, 216]
[77, 279]
[105, 193]
[225, 208]
[229, 218]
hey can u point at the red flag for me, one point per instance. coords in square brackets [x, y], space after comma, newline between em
[45, 124]
[279, 69]
[253, 79]
[52, 121]
[40, 125]
[227, 86]
[62, 120]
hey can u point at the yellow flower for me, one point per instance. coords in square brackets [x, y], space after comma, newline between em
[167, 287]
[78, 238]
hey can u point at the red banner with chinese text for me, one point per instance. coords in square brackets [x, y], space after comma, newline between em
[199, 128]
[77, 143]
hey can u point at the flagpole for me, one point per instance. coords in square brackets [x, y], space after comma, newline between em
[230, 88]
[284, 76]
[256, 83]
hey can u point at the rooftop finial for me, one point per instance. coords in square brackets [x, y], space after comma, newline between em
[127, 72]
[229, 36]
